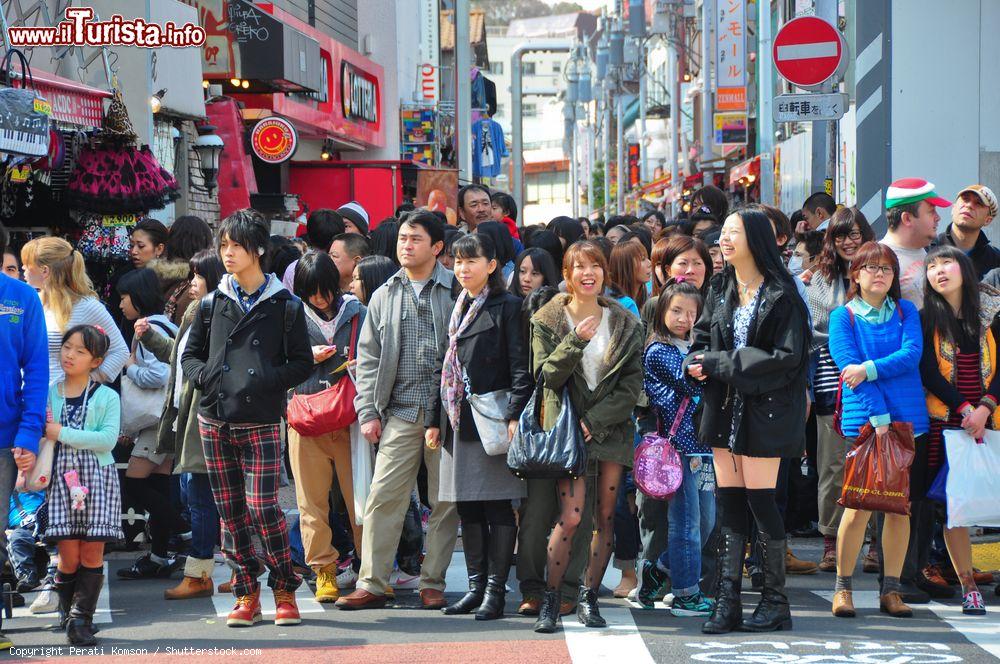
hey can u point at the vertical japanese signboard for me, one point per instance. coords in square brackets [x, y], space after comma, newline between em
[731, 54]
[430, 51]
[634, 176]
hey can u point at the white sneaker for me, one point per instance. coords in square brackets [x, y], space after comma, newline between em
[47, 601]
[347, 579]
[402, 581]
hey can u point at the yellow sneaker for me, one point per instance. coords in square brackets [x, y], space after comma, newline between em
[326, 584]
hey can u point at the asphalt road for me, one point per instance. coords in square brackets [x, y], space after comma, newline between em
[136, 623]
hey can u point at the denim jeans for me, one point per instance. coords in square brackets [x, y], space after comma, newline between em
[21, 549]
[691, 519]
[197, 493]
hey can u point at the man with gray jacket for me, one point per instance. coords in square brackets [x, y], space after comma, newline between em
[402, 345]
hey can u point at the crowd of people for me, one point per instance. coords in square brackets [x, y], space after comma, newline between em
[386, 370]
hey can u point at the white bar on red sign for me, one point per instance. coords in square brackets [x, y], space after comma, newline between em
[807, 51]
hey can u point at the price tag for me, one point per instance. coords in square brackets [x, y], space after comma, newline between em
[42, 106]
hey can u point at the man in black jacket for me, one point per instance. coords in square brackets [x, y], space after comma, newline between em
[245, 349]
[974, 209]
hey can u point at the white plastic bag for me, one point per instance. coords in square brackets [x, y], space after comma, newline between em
[973, 468]
[363, 468]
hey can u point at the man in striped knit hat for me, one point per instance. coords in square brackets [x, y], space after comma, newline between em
[911, 212]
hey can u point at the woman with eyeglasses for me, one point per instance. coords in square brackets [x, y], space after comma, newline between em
[877, 342]
[827, 290]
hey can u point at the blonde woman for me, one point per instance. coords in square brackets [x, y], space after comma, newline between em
[54, 268]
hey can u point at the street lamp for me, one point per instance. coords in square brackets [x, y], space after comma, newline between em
[208, 146]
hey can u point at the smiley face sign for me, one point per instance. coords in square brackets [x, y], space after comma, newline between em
[274, 140]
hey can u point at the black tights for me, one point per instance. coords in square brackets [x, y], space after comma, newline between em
[492, 512]
[153, 494]
[572, 494]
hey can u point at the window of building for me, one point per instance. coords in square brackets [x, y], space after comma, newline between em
[547, 188]
[496, 68]
[556, 67]
[501, 110]
[528, 68]
[529, 110]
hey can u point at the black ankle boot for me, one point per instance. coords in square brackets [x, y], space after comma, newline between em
[729, 582]
[474, 542]
[548, 614]
[502, 541]
[586, 609]
[772, 613]
[79, 627]
[64, 585]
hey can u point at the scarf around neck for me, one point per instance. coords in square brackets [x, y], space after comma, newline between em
[452, 372]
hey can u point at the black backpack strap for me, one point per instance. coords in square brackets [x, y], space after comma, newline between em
[166, 330]
[206, 309]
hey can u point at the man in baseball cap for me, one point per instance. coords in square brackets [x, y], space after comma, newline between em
[911, 213]
[974, 209]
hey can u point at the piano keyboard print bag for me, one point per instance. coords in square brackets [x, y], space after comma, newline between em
[24, 114]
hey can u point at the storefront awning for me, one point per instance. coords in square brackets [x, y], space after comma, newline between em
[72, 102]
[749, 169]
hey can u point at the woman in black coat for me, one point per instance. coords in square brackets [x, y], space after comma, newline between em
[750, 349]
[484, 387]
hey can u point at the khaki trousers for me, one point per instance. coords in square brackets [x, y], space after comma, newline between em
[831, 451]
[314, 462]
[396, 465]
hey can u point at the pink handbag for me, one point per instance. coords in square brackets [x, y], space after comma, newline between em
[657, 469]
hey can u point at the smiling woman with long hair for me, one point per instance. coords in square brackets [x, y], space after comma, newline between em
[750, 349]
[589, 345]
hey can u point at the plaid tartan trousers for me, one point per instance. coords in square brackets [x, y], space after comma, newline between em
[243, 465]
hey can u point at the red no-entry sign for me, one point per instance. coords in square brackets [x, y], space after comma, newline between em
[808, 51]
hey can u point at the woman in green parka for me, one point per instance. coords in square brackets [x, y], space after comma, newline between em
[178, 434]
[591, 346]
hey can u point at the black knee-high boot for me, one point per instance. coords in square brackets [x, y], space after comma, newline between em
[474, 543]
[728, 610]
[64, 585]
[502, 541]
[80, 628]
[773, 612]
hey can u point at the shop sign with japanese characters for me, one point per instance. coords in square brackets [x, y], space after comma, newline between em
[730, 44]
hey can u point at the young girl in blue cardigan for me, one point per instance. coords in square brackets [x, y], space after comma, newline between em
[84, 499]
[876, 341]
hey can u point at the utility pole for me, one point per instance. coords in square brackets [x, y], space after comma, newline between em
[643, 164]
[707, 22]
[621, 154]
[824, 134]
[765, 101]
[606, 135]
[463, 93]
[673, 69]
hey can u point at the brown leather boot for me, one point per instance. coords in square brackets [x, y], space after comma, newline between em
[197, 581]
[892, 604]
[843, 604]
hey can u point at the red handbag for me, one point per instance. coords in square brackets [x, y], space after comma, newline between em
[330, 410]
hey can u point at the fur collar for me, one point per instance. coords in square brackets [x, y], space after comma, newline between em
[552, 317]
[169, 271]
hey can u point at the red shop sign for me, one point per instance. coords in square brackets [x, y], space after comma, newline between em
[80, 108]
[274, 140]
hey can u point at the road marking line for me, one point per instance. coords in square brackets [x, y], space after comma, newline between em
[224, 603]
[101, 615]
[983, 631]
[620, 641]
